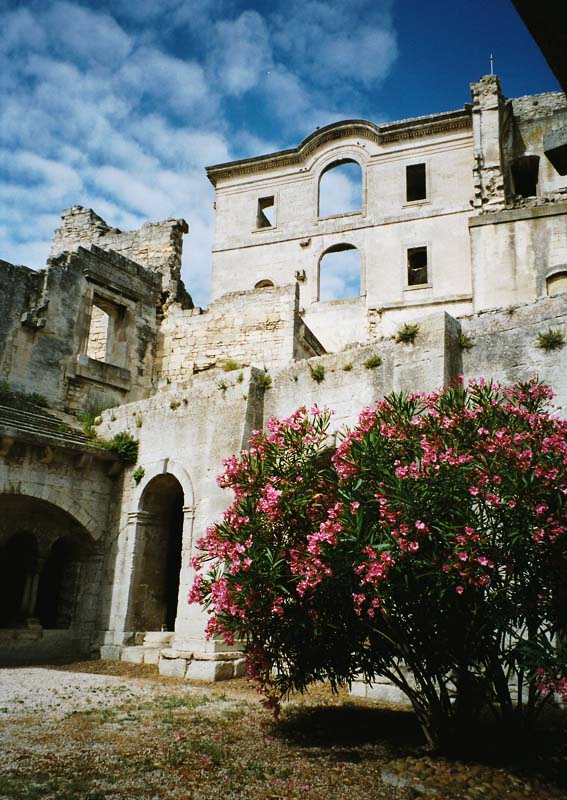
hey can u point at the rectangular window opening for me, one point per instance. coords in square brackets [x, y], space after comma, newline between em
[105, 341]
[266, 216]
[99, 333]
[417, 266]
[416, 183]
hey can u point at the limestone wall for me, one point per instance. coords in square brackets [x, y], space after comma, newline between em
[186, 433]
[259, 327]
[350, 382]
[515, 251]
[45, 334]
[506, 345]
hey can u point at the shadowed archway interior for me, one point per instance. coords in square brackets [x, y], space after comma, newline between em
[158, 562]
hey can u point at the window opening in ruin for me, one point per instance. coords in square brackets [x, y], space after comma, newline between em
[156, 582]
[266, 215]
[340, 188]
[339, 273]
[18, 566]
[417, 266]
[525, 173]
[416, 183]
[557, 283]
[58, 585]
[264, 284]
[105, 338]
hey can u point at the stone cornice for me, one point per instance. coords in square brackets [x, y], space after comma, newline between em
[380, 134]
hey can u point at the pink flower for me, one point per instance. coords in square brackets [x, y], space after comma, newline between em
[459, 589]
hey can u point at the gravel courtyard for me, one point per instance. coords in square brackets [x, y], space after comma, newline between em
[104, 730]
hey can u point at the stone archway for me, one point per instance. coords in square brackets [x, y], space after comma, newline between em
[157, 562]
[49, 568]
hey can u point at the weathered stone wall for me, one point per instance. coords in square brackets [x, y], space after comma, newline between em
[259, 327]
[19, 300]
[349, 383]
[45, 335]
[506, 345]
[515, 251]
[185, 433]
[156, 245]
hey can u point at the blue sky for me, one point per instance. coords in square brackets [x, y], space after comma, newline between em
[119, 104]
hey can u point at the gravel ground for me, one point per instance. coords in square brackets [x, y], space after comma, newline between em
[113, 731]
[31, 690]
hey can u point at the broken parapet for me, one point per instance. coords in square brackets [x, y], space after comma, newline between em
[156, 245]
[490, 110]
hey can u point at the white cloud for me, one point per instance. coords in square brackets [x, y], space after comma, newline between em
[88, 35]
[242, 53]
[178, 84]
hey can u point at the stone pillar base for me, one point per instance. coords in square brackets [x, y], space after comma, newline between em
[196, 666]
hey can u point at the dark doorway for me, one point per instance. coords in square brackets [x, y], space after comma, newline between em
[58, 586]
[156, 585]
[18, 565]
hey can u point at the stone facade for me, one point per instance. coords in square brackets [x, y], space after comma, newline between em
[461, 228]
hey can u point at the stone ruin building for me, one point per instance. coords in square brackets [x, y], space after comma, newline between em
[460, 226]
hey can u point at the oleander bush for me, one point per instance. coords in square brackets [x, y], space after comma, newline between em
[429, 548]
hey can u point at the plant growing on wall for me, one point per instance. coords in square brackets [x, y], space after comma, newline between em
[372, 362]
[138, 474]
[317, 373]
[229, 365]
[464, 341]
[432, 551]
[124, 445]
[551, 339]
[407, 333]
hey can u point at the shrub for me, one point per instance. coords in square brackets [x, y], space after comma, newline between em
[552, 339]
[407, 333]
[265, 381]
[317, 373]
[431, 551]
[124, 445]
[465, 342]
[229, 365]
[373, 362]
[138, 474]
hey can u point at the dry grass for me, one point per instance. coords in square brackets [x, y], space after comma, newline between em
[214, 741]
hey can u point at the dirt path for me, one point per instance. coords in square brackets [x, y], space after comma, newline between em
[108, 731]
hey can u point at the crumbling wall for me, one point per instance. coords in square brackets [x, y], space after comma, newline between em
[45, 335]
[156, 245]
[258, 327]
[20, 292]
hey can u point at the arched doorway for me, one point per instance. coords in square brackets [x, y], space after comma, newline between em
[47, 566]
[18, 566]
[155, 588]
